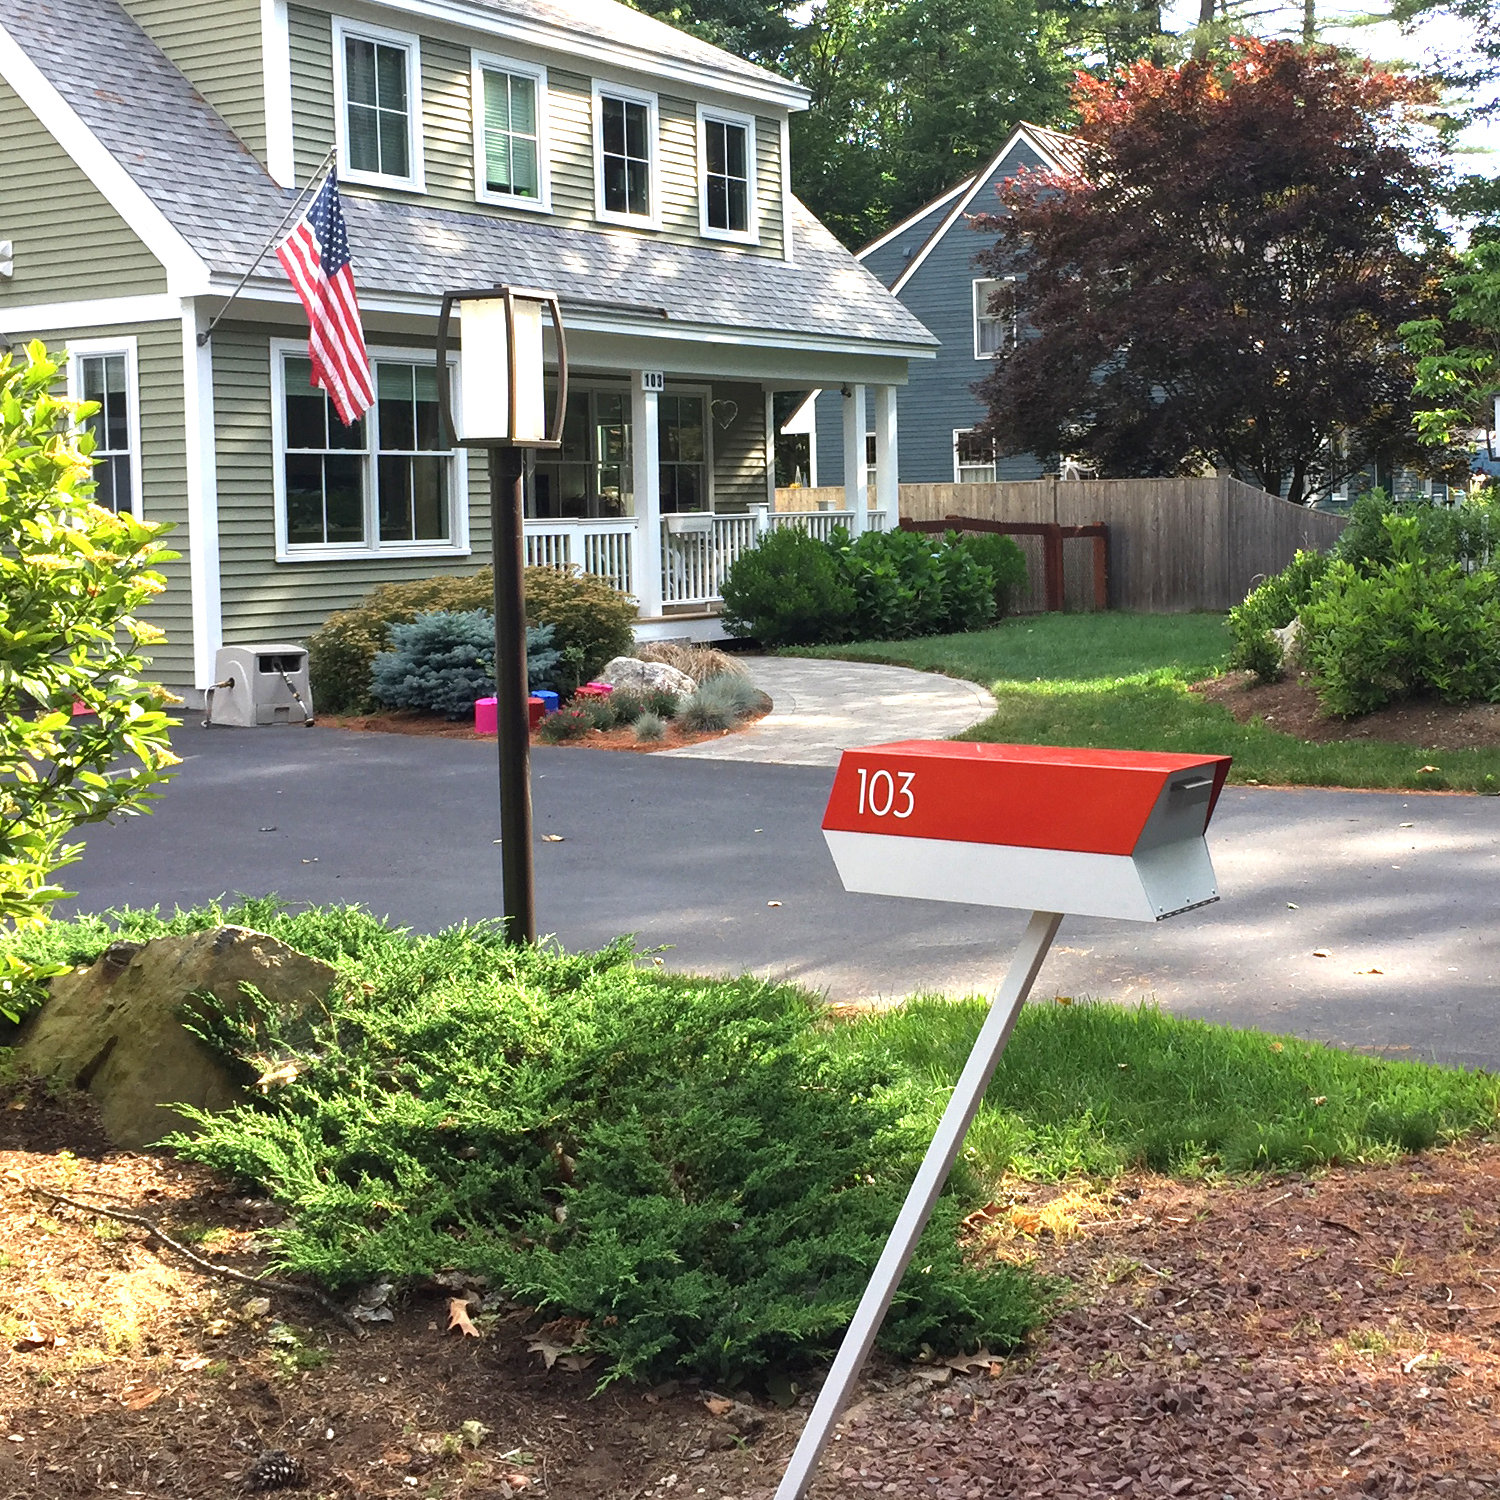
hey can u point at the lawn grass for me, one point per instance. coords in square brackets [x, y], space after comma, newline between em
[1121, 681]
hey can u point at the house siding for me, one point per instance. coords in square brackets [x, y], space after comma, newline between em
[448, 146]
[264, 600]
[163, 460]
[69, 242]
[738, 416]
[939, 397]
[218, 47]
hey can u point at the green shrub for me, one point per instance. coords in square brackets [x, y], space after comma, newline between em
[690, 1166]
[1004, 559]
[598, 713]
[627, 705]
[662, 702]
[789, 591]
[1465, 533]
[566, 724]
[1273, 605]
[1410, 625]
[442, 661]
[649, 727]
[590, 621]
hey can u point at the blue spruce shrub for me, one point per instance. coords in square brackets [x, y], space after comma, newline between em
[444, 660]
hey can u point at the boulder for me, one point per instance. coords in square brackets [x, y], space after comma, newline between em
[646, 676]
[116, 1028]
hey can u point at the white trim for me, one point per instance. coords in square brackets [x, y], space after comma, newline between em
[457, 544]
[606, 51]
[645, 489]
[124, 344]
[974, 286]
[276, 87]
[479, 63]
[788, 244]
[186, 272]
[975, 185]
[603, 89]
[750, 234]
[856, 459]
[45, 317]
[770, 447]
[915, 218]
[705, 392]
[204, 575]
[959, 432]
[343, 28]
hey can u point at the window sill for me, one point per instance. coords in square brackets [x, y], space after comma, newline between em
[396, 551]
[513, 200]
[627, 221]
[730, 236]
[347, 175]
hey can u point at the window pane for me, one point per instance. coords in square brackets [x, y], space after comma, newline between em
[116, 410]
[391, 77]
[395, 499]
[106, 491]
[306, 408]
[364, 142]
[359, 71]
[343, 477]
[340, 436]
[616, 196]
[393, 384]
[734, 150]
[614, 125]
[639, 201]
[429, 499]
[718, 203]
[92, 367]
[713, 142]
[523, 105]
[524, 177]
[393, 143]
[636, 119]
[738, 206]
[304, 498]
[429, 431]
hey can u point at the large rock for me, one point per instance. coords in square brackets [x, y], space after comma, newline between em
[646, 676]
[116, 1028]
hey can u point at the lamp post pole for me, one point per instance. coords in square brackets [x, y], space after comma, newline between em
[507, 471]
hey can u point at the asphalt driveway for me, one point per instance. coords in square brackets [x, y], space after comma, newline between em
[723, 864]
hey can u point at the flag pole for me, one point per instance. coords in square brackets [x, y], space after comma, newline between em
[218, 317]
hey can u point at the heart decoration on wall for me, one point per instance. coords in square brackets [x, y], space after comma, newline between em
[724, 412]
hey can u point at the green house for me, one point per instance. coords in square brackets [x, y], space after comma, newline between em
[150, 148]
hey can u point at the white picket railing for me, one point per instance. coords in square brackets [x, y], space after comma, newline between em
[696, 551]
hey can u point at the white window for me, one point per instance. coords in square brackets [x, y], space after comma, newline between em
[626, 188]
[383, 486]
[973, 458]
[994, 316]
[510, 133]
[686, 461]
[726, 173]
[104, 371]
[377, 78]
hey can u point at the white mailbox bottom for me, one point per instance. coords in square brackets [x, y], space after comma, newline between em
[1143, 887]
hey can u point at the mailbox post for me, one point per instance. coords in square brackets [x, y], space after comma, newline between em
[1103, 833]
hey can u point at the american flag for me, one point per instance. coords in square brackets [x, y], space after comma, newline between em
[315, 256]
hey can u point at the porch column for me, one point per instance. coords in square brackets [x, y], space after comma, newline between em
[645, 484]
[887, 472]
[854, 457]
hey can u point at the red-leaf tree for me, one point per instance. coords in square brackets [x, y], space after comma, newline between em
[1221, 284]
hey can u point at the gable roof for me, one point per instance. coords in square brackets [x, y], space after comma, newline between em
[215, 194]
[1062, 153]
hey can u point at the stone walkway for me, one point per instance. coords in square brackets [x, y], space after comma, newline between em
[822, 708]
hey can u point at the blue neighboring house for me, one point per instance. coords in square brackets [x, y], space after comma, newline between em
[927, 261]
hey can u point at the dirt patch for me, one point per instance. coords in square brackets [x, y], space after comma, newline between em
[1292, 707]
[407, 722]
[1335, 1335]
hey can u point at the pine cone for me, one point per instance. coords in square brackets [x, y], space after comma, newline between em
[275, 1469]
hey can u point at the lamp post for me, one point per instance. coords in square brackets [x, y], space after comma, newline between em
[503, 410]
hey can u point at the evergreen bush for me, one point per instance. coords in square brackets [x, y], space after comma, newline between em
[1004, 559]
[1273, 605]
[443, 661]
[788, 591]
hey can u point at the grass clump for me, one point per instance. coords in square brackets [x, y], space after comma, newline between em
[720, 703]
[1096, 1089]
[649, 728]
[689, 1165]
[692, 660]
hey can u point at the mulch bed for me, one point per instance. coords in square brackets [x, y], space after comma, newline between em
[1292, 707]
[1332, 1334]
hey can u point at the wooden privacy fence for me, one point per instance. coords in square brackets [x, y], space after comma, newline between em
[1052, 536]
[1173, 544]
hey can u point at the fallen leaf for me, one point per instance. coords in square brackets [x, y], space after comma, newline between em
[1406, 825]
[553, 838]
[37, 1337]
[1320, 953]
[718, 1406]
[458, 1317]
[773, 903]
[1369, 971]
[576, 1362]
[256, 1307]
[142, 1399]
[474, 1432]
[516, 1482]
[194, 1362]
[1427, 770]
[273, 1077]
[549, 1351]
[963, 1363]
[396, 1457]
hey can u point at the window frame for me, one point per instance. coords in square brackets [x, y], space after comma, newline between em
[961, 432]
[415, 181]
[750, 235]
[457, 543]
[126, 345]
[492, 62]
[1015, 331]
[706, 393]
[602, 90]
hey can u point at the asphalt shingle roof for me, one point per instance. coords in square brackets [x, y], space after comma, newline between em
[218, 196]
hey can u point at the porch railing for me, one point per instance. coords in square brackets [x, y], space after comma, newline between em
[696, 551]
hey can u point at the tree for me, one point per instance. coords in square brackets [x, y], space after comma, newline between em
[1223, 284]
[72, 578]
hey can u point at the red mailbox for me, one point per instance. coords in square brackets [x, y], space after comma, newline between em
[1096, 833]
